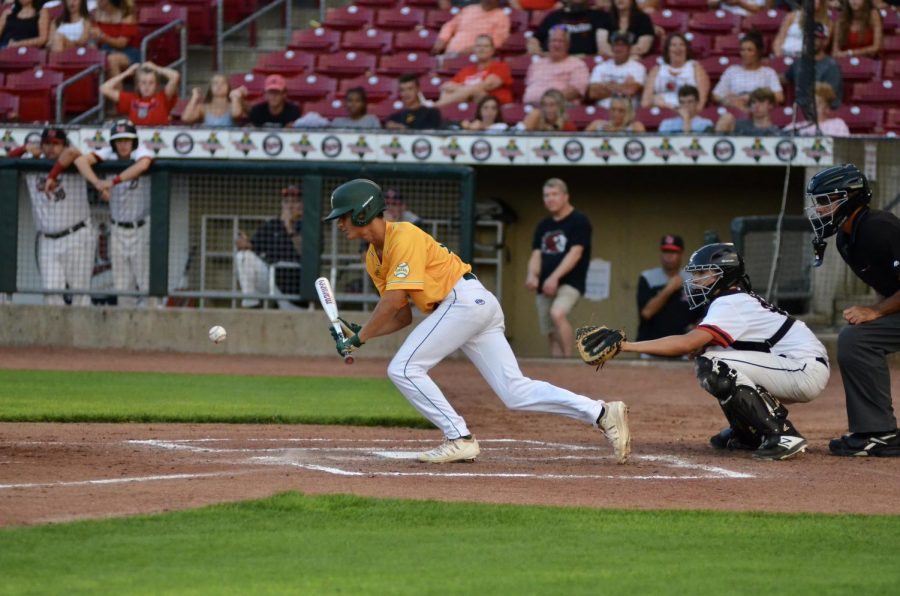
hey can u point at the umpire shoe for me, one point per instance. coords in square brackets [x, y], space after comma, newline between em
[780, 447]
[866, 444]
[727, 438]
[614, 424]
[452, 450]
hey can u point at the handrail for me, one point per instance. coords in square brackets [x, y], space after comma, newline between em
[222, 33]
[62, 87]
[181, 63]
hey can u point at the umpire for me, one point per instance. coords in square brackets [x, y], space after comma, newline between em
[869, 241]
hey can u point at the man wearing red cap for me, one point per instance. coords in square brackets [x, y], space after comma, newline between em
[662, 305]
[275, 111]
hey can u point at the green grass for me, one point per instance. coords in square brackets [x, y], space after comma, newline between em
[51, 396]
[293, 543]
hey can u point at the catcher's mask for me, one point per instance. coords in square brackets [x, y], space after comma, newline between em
[832, 196]
[361, 198]
[722, 264]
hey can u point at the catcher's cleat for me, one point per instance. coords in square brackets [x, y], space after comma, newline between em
[777, 447]
[614, 424]
[864, 445]
[728, 439]
[452, 450]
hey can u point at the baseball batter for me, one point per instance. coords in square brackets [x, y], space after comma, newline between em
[406, 264]
[753, 356]
[62, 218]
[128, 195]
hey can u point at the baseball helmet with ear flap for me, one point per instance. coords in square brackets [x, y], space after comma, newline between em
[720, 260]
[123, 129]
[361, 198]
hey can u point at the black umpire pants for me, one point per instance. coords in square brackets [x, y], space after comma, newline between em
[862, 355]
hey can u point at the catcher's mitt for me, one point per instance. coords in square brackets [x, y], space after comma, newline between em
[596, 345]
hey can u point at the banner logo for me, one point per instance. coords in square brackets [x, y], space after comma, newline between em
[421, 149]
[573, 151]
[273, 145]
[605, 150]
[394, 148]
[452, 149]
[481, 150]
[331, 146]
[634, 150]
[212, 144]
[183, 143]
[723, 150]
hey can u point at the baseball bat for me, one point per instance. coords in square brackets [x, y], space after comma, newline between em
[326, 299]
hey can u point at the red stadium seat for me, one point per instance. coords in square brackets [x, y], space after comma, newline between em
[716, 21]
[453, 64]
[368, 40]
[457, 112]
[892, 121]
[36, 90]
[54, 12]
[238, 10]
[670, 20]
[289, 63]
[859, 69]
[178, 110]
[377, 88]
[415, 41]
[83, 94]
[891, 46]
[422, 3]
[651, 117]
[518, 65]
[701, 44]
[764, 21]
[376, 3]
[518, 19]
[164, 49]
[21, 59]
[327, 108]
[592, 61]
[688, 5]
[727, 45]
[892, 70]
[350, 17]
[435, 19]
[515, 44]
[650, 61]
[430, 85]
[890, 22]
[399, 19]
[780, 65]
[346, 64]
[861, 119]
[252, 82]
[385, 108]
[417, 63]
[201, 16]
[716, 65]
[318, 40]
[513, 113]
[9, 107]
[782, 115]
[885, 94]
[715, 112]
[311, 87]
[581, 115]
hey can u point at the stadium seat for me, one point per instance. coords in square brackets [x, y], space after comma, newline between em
[891, 46]
[890, 22]
[861, 119]
[178, 110]
[317, 41]
[892, 121]
[21, 59]
[592, 61]
[651, 117]
[254, 84]
[518, 65]
[423, 3]
[385, 108]
[415, 41]
[84, 94]
[688, 5]
[716, 21]
[368, 40]
[701, 44]
[650, 61]
[515, 44]
[9, 107]
[399, 19]
[435, 19]
[670, 20]
[237, 10]
[346, 64]
[457, 112]
[376, 3]
[764, 21]
[311, 87]
[430, 85]
[892, 70]
[782, 115]
[327, 108]
[715, 112]
[451, 65]
[289, 63]
[727, 45]
[518, 19]
[513, 113]
[779, 65]
[350, 17]
[377, 88]
[582, 115]
[36, 90]
[885, 94]
[417, 63]
[716, 65]
[166, 48]
[201, 19]
[859, 69]
[54, 12]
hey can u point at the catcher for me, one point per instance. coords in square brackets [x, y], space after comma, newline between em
[753, 356]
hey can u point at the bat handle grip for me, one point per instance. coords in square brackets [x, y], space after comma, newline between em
[348, 359]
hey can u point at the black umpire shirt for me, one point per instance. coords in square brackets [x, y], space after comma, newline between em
[272, 244]
[872, 250]
[674, 318]
[422, 118]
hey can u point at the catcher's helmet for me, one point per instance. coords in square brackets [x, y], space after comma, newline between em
[361, 198]
[123, 129]
[723, 263]
[833, 195]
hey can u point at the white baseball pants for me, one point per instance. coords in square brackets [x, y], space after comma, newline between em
[470, 318]
[790, 380]
[129, 256]
[68, 260]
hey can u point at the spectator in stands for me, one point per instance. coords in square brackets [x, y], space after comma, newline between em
[150, 106]
[829, 124]
[662, 305]
[648, 6]
[858, 31]
[72, 28]
[558, 70]
[115, 31]
[487, 116]
[678, 69]
[743, 8]
[458, 35]
[550, 116]
[219, 106]
[275, 111]
[621, 76]
[277, 241]
[762, 102]
[739, 80]
[488, 76]
[414, 115]
[827, 69]
[789, 39]
[396, 209]
[628, 18]
[688, 119]
[25, 25]
[621, 118]
[581, 20]
[357, 104]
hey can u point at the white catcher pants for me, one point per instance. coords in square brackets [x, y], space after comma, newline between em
[68, 260]
[470, 318]
[791, 380]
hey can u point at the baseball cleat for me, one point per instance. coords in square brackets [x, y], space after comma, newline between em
[778, 447]
[452, 450]
[614, 424]
[728, 439]
[859, 445]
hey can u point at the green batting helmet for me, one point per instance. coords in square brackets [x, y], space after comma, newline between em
[361, 198]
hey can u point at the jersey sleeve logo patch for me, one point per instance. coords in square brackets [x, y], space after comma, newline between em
[402, 271]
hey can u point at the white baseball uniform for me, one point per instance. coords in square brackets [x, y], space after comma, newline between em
[129, 208]
[795, 369]
[66, 246]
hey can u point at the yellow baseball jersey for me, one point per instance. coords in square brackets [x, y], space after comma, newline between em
[413, 261]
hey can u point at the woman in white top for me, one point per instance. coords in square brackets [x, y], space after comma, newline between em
[679, 69]
[72, 28]
[739, 80]
[789, 39]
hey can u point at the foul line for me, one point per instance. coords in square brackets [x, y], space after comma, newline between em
[126, 480]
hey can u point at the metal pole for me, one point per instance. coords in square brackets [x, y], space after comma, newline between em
[220, 27]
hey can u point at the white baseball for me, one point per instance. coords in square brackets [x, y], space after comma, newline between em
[217, 334]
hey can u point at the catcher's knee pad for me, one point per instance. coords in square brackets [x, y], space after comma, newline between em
[753, 410]
[716, 378]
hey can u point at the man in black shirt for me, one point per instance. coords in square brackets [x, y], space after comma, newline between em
[582, 23]
[869, 241]
[275, 111]
[277, 241]
[414, 115]
[662, 305]
[557, 269]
